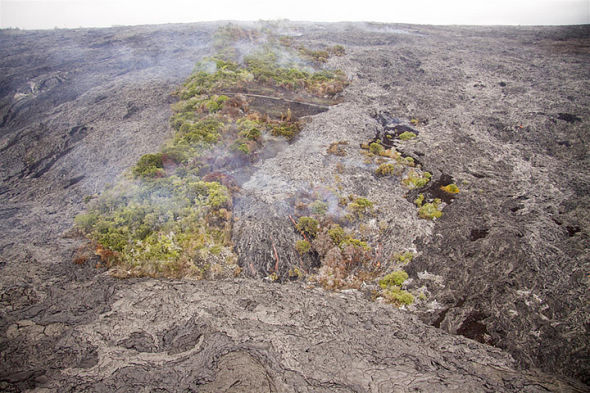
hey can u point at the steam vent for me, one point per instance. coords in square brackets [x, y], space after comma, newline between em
[295, 207]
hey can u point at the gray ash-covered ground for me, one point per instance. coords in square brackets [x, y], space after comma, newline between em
[503, 112]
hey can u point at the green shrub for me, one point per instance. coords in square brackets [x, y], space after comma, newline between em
[310, 226]
[302, 247]
[85, 222]
[337, 234]
[338, 50]
[416, 180]
[286, 129]
[354, 243]
[375, 148]
[396, 278]
[398, 296]
[296, 273]
[419, 200]
[250, 129]
[430, 211]
[385, 169]
[391, 288]
[360, 207]
[205, 131]
[407, 135]
[319, 208]
[405, 258]
[149, 166]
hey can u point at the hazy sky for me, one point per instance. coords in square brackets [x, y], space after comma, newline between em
[44, 14]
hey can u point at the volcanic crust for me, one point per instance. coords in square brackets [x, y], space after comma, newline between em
[502, 112]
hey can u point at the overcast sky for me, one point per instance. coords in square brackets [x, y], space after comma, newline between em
[47, 14]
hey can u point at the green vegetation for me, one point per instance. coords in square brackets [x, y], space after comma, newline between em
[398, 296]
[163, 227]
[394, 278]
[376, 148]
[337, 234]
[308, 225]
[385, 169]
[337, 50]
[419, 200]
[262, 68]
[405, 257]
[319, 208]
[346, 260]
[391, 288]
[355, 243]
[451, 188]
[318, 56]
[430, 211]
[415, 179]
[250, 129]
[149, 165]
[407, 135]
[361, 207]
[286, 129]
[302, 247]
[296, 273]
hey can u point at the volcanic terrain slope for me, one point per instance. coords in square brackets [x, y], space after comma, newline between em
[458, 154]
